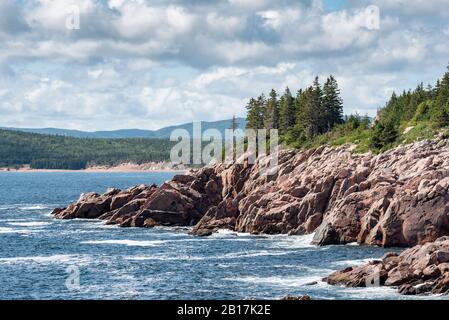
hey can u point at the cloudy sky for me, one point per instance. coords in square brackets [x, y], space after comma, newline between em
[147, 64]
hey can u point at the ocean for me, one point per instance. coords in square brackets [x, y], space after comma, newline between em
[45, 258]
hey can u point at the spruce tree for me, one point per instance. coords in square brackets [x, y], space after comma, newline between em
[262, 105]
[319, 111]
[309, 117]
[332, 104]
[252, 114]
[256, 110]
[287, 115]
[272, 111]
[299, 106]
[442, 102]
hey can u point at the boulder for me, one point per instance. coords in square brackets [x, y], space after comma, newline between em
[415, 271]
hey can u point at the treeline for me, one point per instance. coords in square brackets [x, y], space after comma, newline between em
[60, 152]
[315, 116]
[426, 106]
[313, 111]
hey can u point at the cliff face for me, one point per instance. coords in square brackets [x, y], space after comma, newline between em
[399, 198]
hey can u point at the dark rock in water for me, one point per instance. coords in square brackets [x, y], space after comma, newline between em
[175, 203]
[297, 298]
[417, 270]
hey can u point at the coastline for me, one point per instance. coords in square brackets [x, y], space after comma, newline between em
[124, 168]
[92, 170]
[386, 200]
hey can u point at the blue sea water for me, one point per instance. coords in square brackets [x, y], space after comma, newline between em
[40, 256]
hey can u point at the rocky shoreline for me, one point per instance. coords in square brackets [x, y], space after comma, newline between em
[422, 269]
[396, 199]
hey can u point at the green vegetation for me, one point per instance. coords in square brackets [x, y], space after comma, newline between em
[59, 152]
[314, 117]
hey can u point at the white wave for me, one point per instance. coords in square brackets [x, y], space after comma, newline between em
[225, 233]
[29, 224]
[355, 262]
[7, 207]
[163, 258]
[129, 243]
[370, 293]
[249, 254]
[281, 281]
[60, 258]
[292, 242]
[33, 207]
[4, 230]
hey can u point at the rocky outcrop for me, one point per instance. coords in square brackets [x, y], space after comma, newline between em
[398, 198]
[296, 298]
[179, 202]
[422, 269]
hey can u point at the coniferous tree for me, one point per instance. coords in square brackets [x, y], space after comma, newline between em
[255, 113]
[441, 107]
[309, 116]
[252, 114]
[383, 134]
[262, 105]
[332, 104]
[287, 112]
[272, 111]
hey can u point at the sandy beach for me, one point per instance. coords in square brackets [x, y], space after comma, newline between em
[127, 167]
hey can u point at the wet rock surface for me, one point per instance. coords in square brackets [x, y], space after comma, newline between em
[422, 269]
[179, 202]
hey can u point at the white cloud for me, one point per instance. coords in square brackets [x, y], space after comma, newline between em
[146, 64]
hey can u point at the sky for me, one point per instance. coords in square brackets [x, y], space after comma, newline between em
[148, 64]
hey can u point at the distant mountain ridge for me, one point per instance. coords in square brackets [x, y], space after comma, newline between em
[162, 133]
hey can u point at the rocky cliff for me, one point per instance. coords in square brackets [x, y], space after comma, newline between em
[398, 198]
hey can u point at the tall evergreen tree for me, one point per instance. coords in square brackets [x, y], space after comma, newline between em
[309, 115]
[252, 114]
[262, 105]
[256, 113]
[442, 102]
[332, 104]
[299, 106]
[287, 112]
[272, 111]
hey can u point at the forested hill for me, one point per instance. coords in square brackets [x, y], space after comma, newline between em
[163, 133]
[59, 152]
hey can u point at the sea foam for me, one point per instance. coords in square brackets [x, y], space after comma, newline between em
[129, 243]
